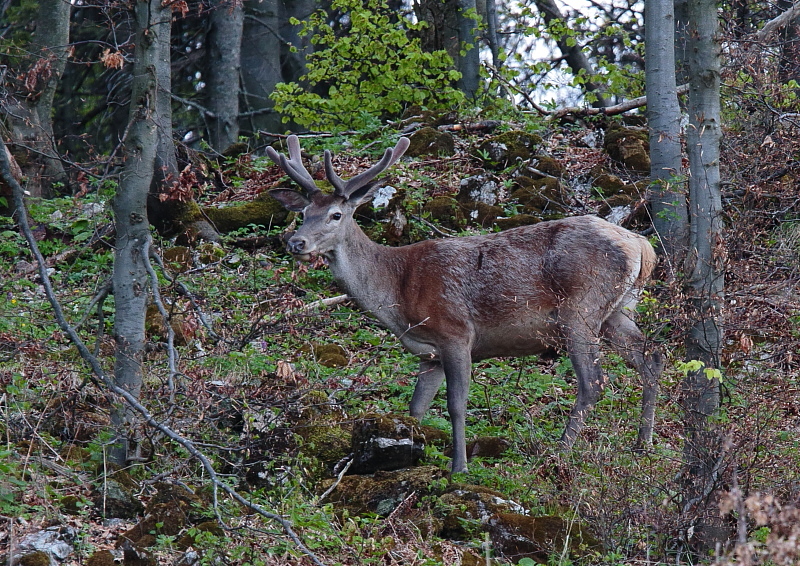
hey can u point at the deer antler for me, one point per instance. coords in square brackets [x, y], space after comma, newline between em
[293, 166]
[345, 189]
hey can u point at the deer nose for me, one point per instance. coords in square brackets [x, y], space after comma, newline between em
[296, 245]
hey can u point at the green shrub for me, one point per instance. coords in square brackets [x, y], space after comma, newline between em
[372, 71]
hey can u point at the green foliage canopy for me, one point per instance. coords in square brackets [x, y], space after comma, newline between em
[374, 70]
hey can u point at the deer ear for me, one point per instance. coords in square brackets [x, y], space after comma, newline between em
[364, 194]
[291, 200]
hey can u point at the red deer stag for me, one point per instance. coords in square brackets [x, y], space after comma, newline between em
[569, 282]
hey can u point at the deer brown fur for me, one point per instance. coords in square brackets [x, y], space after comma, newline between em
[569, 283]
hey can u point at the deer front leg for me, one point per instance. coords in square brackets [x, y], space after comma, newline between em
[585, 355]
[457, 364]
[431, 376]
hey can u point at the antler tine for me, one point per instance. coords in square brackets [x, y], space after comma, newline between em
[293, 166]
[333, 178]
[345, 189]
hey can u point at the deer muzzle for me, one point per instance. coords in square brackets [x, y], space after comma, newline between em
[297, 246]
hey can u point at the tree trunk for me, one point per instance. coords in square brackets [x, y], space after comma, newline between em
[573, 54]
[667, 197]
[167, 202]
[224, 52]
[261, 64]
[491, 32]
[681, 8]
[468, 62]
[30, 118]
[705, 269]
[130, 278]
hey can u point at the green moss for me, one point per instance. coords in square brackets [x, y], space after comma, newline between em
[445, 210]
[263, 210]
[539, 537]
[327, 442]
[384, 490]
[537, 195]
[480, 213]
[37, 558]
[179, 258]
[629, 146]
[101, 558]
[549, 165]
[507, 148]
[430, 141]
[72, 504]
[329, 355]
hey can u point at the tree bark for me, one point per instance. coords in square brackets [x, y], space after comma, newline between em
[705, 268]
[667, 197]
[224, 53]
[130, 278]
[30, 118]
[468, 61]
[491, 32]
[261, 64]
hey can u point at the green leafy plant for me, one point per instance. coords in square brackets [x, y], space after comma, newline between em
[374, 70]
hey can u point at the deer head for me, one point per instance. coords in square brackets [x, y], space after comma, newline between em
[325, 217]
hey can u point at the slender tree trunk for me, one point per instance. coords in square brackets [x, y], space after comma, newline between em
[705, 269]
[30, 118]
[130, 279]
[681, 8]
[261, 64]
[224, 53]
[667, 197]
[491, 32]
[469, 54]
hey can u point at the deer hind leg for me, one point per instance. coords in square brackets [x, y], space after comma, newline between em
[584, 351]
[431, 376]
[627, 340]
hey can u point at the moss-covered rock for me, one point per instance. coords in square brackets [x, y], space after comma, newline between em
[385, 490]
[482, 214]
[430, 141]
[539, 196]
[465, 510]
[116, 498]
[35, 558]
[385, 442]
[154, 326]
[103, 558]
[498, 152]
[171, 510]
[72, 504]
[538, 538]
[329, 355]
[629, 146]
[178, 258]
[445, 210]
[328, 442]
[548, 165]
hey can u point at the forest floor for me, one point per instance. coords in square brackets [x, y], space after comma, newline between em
[248, 395]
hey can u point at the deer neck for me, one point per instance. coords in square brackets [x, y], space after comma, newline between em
[365, 270]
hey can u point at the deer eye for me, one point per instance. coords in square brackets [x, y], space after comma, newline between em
[336, 216]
